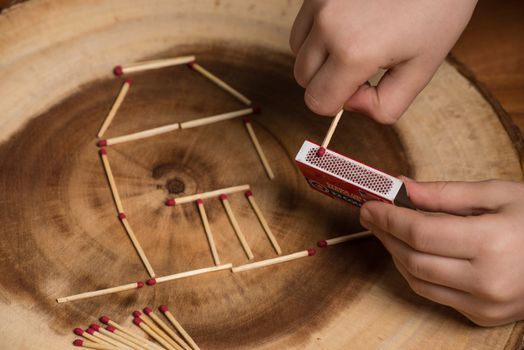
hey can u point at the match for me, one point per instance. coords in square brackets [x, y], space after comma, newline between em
[341, 239]
[165, 310]
[191, 273]
[278, 260]
[218, 118]
[140, 342]
[139, 135]
[329, 135]
[111, 179]
[110, 332]
[149, 312]
[136, 244]
[134, 285]
[263, 222]
[116, 105]
[219, 82]
[236, 227]
[207, 229]
[129, 334]
[138, 321]
[92, 345]
[106, 339]
[205, 195]
[149, 322]
[153, 64]
[258, 148]
[81, 333]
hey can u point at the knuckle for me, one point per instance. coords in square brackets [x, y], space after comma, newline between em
[418, 287]
[416, 237]
[413, 265]
[317, 106]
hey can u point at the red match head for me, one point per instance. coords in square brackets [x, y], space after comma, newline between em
[137, 321]
[104, 319]
[118, 71]
[322, 243]
[257, 110]
[121, 216]
[111, 329]
[223, 197]
[148, 310]
[311, 251]
[246, 120]
[128, 81]
[102, 143]
[94, 326]
[78, 342]
[139, 284]
[90, 331]
[163, 308]
[248, 194]
[151, 282]
[171, 202]
[191, 64]
[102, 152]
[78, 331]
[137, 313]
[321, 151]
[199, 201]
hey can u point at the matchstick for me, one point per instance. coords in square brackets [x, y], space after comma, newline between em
[165, 310]
[110, 332]
[149, 322]
[109, 335]
[207, 229]
[258, 148]
[263, 222]
[136, 244]
[141, 342]
[106, 339]
[219, 82]
[116, 105]
[152, 334]
[139, 135]
[111, 179]
[186, 274]
[341, 239]
[92, 345]
[81, 333]
[280, 259]
[153, 64]
[129, 333]
[329, 135]
[149, 312]
[236, 227]
[134, 285]
[205, 195]
[218, 118]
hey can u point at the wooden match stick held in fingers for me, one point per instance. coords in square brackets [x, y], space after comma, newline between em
[329, 135]
[280, 259]
[111, 180]
[180, 275]
[127, 333]
[258, 148]
[204, 195]
[136, 244]
[139, 135]
[149, 312]
[341, 239]
[207, 229]
[153, 64]
[140, 323]
[263, 222]
[219, 82]
[92, 345]
[218, 118]
[236, 227]
[116, 105]
[165, 310]
[134, 285]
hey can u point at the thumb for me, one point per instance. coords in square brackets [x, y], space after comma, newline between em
[399, 86]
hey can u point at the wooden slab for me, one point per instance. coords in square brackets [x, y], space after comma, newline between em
[60, 231]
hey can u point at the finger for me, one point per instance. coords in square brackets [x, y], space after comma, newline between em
[462, 198]
[445, 235]
[440, 294]
[333, 84]
[301, 28]
[392, 96]
[310, 57]
[444, 271]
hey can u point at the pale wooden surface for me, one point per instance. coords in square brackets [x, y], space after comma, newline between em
[348, 296]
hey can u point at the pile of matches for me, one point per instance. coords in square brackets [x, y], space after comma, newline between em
[114, 336]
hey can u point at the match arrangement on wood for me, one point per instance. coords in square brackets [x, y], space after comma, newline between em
[161, 334]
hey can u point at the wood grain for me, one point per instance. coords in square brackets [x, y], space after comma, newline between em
[61, 235]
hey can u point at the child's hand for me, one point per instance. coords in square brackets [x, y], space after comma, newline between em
[340, 44]
[471, 258]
